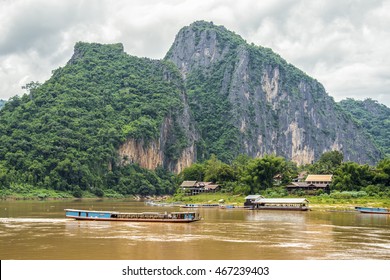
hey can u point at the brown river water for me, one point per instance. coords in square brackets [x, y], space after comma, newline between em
[38, 230]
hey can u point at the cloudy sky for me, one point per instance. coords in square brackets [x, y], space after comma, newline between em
[344, 44]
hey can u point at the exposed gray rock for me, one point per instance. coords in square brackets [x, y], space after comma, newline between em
[273, 106]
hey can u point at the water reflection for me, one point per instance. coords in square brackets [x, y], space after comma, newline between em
[38, 230]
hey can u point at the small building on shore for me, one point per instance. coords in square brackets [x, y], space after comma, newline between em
[250, 200]
[195, 187]
[312, 184]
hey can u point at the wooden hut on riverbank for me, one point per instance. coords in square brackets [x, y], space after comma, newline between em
[312, 184]
[195, 187]
[250, 199]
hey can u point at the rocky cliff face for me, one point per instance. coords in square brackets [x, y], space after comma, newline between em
[152, 154]
[158, 127]
[269, 106]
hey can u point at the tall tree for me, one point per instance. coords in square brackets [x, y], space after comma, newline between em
[350, 176]
[327, 163]
[260, 172]
[382, 174]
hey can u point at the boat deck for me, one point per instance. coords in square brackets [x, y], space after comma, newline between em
[173, 217]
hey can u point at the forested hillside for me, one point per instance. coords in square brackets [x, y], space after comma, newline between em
[65, 134]
[373, 117]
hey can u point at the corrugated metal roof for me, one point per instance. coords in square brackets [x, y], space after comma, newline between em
[282, 200]
[319, 178]
[211, 187]
[188, 184]
[253, 196]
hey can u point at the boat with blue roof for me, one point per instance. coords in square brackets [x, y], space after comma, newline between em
[172, 217]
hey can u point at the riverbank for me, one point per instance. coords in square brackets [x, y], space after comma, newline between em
[318, 203]
[323, 203]
[340, 204]
[44, 194]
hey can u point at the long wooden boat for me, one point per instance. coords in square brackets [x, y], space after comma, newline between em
[172, 217]
[290, 204]
[373, 210]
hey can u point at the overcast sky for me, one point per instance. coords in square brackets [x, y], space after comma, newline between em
[344, 44]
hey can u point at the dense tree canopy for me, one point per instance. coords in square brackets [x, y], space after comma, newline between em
[328, 163]
[245, 175]
[65, 133]
[268, 173]
[373, 117]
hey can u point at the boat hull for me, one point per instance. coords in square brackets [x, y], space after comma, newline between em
[133, 220]
[281, 208]
[372, 210]
[174, 217]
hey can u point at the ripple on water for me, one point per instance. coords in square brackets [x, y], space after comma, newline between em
[154, 238]
[31, 220]
[294, 245]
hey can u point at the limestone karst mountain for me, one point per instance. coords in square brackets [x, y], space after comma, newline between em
[213, 93]
[247, 99]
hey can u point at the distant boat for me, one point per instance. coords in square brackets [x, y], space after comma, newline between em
[173, 217]
[228, 206]
[162, 204]
[372, 210]
[231, 206]
[212, 205]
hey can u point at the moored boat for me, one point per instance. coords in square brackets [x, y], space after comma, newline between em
[373, 210]
[294, 204]
[228, 206]
[172, 217]
[211, 205]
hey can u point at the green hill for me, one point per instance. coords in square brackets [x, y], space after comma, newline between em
[373, 117]
[65, 134]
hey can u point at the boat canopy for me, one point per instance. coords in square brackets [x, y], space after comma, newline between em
[281, 201]
[90, 211]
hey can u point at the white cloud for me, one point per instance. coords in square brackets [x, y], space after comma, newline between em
[343, 44]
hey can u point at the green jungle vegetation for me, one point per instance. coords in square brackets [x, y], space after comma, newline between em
[256, 176]
[352, 183]
[373, 117]
[63, 135]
